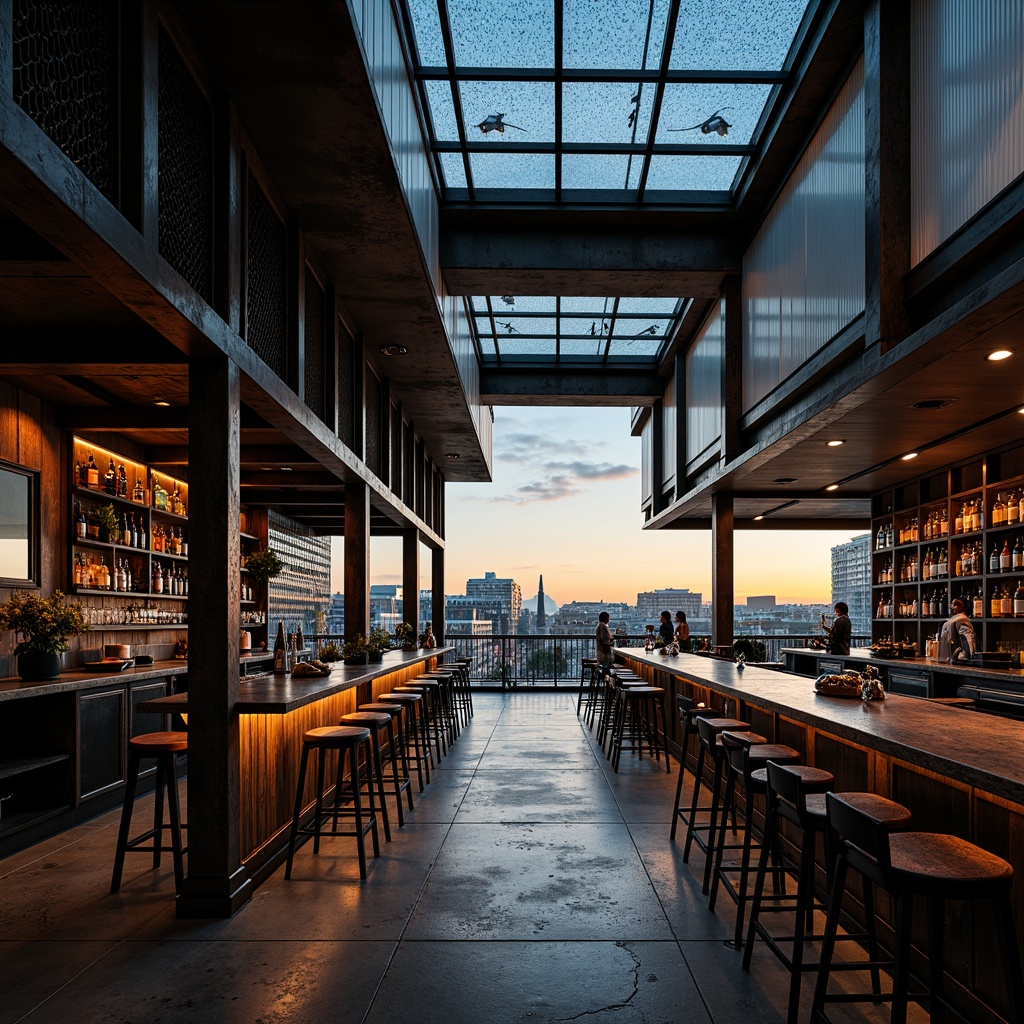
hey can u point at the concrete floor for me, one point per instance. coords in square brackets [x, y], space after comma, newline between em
[530, 884]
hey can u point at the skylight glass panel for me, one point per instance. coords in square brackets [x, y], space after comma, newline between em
[692, 172]
[478, 304]
[513, 170]
[496, 35]
[606, 171]
[691, 105]
[526, 347]
[636, 348]
[487, 347]
[639, 330]
[593, 347]
[510, 325]
[590, 326]
[647, 306]
[576, 304]
[600, 112]
[717, 35]
[528, 106]
[483, 325]
[453, 169]
[442, 111]
[523, 303]
[427, 29]
[603, 34]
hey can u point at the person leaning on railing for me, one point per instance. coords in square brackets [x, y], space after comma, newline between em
[604, 640]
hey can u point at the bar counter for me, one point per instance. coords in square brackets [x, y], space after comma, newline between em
[959, 771]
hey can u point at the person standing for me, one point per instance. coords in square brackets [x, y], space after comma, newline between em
[682, 631]
[604, 640]
[956, 638]
[841, 630]
[665, 630]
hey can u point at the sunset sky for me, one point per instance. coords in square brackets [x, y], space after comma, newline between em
[565, 502]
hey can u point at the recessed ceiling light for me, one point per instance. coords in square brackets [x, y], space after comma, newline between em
[784, 480]
[1020, 410]
[909, 456]
[999, 355]
[394, 350]
[758, 519]
[162, 402]
[286, 469]
[933, 403]
[835, 444]
[832, 487]
[451, 455]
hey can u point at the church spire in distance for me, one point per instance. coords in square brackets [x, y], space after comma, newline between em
[542, 615]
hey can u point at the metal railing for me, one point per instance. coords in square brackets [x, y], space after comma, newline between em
[512, 660]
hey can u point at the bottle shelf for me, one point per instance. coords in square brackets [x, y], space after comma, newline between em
[148, 595]
[19, 765]
[101, 496]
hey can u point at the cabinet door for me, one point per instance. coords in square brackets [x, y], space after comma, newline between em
[101, 742]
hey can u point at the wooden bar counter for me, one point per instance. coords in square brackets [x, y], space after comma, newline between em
[274, 714]
[959, 772]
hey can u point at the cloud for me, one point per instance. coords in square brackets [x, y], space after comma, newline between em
[562, 480]
[529, 446]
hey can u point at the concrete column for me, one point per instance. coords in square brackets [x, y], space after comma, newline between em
[217, 883]
[722, 584]
[437, 593]
[357, 559]
[411, 578]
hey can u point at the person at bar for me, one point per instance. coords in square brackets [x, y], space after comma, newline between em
[682, 631]
[956, 638]
[604, 640]
[841, 631]
[665, 631]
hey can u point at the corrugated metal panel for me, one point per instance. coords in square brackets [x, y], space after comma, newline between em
[669, 418]
[967, 105]
[647, 463]
[803, 275]
[704, 363]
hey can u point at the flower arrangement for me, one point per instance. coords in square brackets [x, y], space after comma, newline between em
[264, 564]
[44, 625]
[330, 652]
[356, 650]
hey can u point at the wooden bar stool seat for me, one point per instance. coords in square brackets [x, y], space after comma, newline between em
[641, 707]
[906, 865]
[350, 742]
[164, 747]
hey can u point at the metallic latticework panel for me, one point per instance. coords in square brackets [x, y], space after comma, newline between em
[373, 446]
[65, 79]
[265, 279]
[395, 480]
[185, 169]
[315, 321]
[704, 369]
[346, 389]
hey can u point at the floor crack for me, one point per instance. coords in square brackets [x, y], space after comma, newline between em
[613, 1006]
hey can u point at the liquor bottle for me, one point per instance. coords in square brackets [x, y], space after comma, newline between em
[1006, 602]
[158, 579]
[110, 479]
[994, 604]
[1005, 557]
[280, 655]
[993, 560]
[184, 582]
[999, 510]
[81, 526]
[979, 605]
[943, 562]
[92, 472]
[1013, 508]
[122, 481]
[142, 533]
[1017, 558]
[1018, 600]
[138, 491]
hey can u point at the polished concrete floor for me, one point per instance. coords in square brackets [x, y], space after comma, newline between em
[530, 884]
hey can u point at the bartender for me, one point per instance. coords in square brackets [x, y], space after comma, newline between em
[841, 631]
[956, 639]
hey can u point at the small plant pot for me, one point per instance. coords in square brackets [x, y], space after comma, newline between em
[37, 666]
[376, 657]
[357, 659]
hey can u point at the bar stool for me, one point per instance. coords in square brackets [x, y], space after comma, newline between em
[426, 698]
[377, 722]
[689, 711]
[396, 753]
[588, 671]
[908, 864]
[708, 749]
[415, 736]
[618, 679]
[641, 707]
[747, 756]
[349, 742]
[164, 746]
[461, 692]
[446, 691]
[796, 793]
[435, 713]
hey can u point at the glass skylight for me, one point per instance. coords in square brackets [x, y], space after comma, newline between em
[511, 328]
[578, 100]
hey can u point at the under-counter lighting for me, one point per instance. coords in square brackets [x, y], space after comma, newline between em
[908, 456]
[835, 444]
[999, 355]
[832, 487]
[162, 402]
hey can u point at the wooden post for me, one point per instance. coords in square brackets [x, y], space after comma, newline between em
[732, 369]
[411, 578]
[217, 883]
[887, 183]
[357, 558]
[437, 603]
[722, 584]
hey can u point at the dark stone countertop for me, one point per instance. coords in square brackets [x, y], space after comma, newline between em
[277, 695]
[979, 750]
[863, 654]
[13, 688]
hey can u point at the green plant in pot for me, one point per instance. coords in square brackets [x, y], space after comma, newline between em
[407, 635]
[264, 564]
[330, 652]
[107, 519]
[44, 627]
[356, 651]
[379, 641]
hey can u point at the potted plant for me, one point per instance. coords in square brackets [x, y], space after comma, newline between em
[330, 652]
[378, 642]
[264, 564]
[356, 651]
[407, 635]
[44, 626]
[107, 519]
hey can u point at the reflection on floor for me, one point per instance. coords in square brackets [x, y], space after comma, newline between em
[530, 883]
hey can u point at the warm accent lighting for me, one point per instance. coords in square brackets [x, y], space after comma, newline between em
[909, 456]
[162, 402]
[451, 455]
[999, 355]
[394, 350]
[835, 444]
[832, 487]
[758, 519]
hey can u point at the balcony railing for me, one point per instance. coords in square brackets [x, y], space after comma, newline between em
[513, 660]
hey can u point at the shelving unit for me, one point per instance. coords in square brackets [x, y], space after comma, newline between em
[932, 540]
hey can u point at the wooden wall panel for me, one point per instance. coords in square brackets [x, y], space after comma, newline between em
[848, 763]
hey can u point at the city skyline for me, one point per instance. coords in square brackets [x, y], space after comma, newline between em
[565, 503]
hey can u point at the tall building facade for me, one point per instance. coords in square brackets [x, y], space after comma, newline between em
[500, 600]
[851, 580]
[651, 603]
[304, 586]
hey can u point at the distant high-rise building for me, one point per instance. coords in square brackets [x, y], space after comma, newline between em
[500, 600]
[851, 580]
[761, 602]
[651, 603]
[542, 615]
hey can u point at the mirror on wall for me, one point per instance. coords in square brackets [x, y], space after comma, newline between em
[19, 561]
